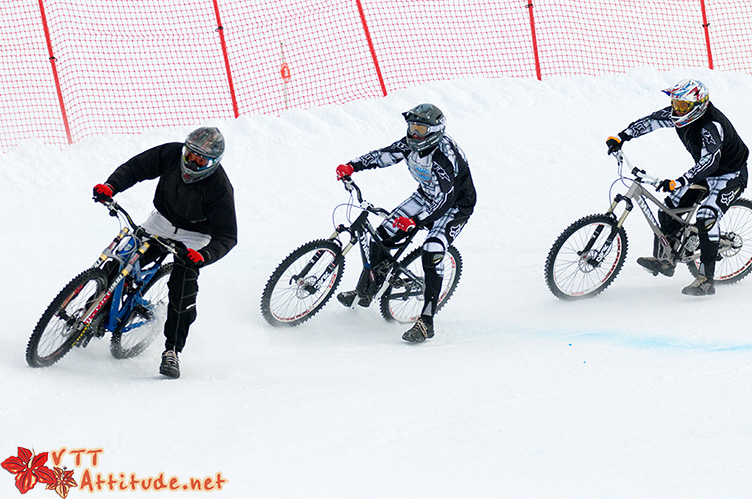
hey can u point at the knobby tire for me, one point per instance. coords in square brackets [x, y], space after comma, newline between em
[573, 275]
[736, 263]
[145, 321]
[403, 299]
[285, 303]
[55, 333]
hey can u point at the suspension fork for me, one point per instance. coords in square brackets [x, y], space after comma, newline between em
[614, 228]
[338, 257]
[109, 251]
[101, 300]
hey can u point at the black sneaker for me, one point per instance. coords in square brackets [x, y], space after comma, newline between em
[702, 286]
[365, 301]
[656, 266]
[347, 298]
[170, 365]
[420, 332]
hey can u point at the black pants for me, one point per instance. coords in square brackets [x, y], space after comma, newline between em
[181, 310]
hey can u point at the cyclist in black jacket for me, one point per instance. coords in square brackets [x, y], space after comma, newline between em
[720, 164]
[443, 203]
[195, 205]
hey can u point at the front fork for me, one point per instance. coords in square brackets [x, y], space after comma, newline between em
[312, 287]
[84, 325]
[597, 258]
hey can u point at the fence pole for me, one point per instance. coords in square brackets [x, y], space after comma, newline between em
[706, 25]
[220, 29]
[370, 46]
[54, 73]
[535, 40]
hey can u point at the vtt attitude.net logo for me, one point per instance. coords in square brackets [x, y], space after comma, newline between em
[31, 469]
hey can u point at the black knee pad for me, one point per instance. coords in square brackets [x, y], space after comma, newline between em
[705, 224]
[431, 259]
[432, 252]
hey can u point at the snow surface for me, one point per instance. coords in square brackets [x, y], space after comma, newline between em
[641, 392]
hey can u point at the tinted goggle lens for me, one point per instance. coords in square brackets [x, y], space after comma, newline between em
[196, 162]
[417, 130]
[681, 107]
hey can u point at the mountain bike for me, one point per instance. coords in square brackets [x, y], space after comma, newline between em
[586, 258]
[117, 294]
[303, 283]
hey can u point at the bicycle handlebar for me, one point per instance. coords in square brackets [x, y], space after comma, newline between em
[351, 186]
[115, 209]
[640, 175]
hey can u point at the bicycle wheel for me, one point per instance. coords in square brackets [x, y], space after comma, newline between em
[147, 318]
[580, 263]
[403, 299]
[302, 284]
[735, 259]
[57, 330]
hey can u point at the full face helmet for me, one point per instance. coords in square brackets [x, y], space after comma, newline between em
[202, 152]
[689, 100]
[425, 127]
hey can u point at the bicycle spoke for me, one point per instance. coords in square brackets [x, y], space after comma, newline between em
[301, 284]
[574, 272]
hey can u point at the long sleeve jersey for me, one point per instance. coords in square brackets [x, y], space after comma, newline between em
[206, 206]
[711, 140]
[443, 175]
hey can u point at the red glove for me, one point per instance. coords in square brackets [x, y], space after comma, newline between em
[344, 171]
[403, 223]
[191, 256]
[103, 192]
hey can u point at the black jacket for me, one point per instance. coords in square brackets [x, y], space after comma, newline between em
[206, 206]
[711, 140]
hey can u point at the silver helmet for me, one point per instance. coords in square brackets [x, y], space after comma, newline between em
[425, 127]
[202, 153]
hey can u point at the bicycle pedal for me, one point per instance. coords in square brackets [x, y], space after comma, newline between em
[83, 342]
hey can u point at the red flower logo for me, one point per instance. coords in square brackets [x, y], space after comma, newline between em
[29, 469]
[63, 482]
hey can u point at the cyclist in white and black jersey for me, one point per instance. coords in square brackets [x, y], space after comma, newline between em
[720, 158]
[444, 201]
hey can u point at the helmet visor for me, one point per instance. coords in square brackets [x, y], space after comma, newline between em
[417, 130]
[681, 107]
[196, 162]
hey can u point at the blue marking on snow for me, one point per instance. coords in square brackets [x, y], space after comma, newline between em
[662, 342]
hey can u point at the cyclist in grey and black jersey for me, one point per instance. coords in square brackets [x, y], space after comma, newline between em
[720, 158]
[444, 201]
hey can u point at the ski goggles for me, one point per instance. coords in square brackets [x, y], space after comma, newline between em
[196, 162]
[682, 107]
[417, 130]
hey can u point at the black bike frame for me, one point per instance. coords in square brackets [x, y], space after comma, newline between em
[362, 233]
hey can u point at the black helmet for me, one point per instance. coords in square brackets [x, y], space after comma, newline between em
[202, 152]
[425, 126]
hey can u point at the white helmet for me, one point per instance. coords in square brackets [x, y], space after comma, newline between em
[689, 100]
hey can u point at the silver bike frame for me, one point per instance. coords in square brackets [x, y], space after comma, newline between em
[641, 197]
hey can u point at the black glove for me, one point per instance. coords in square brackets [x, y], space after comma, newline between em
[669, 185]
[614, 143]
